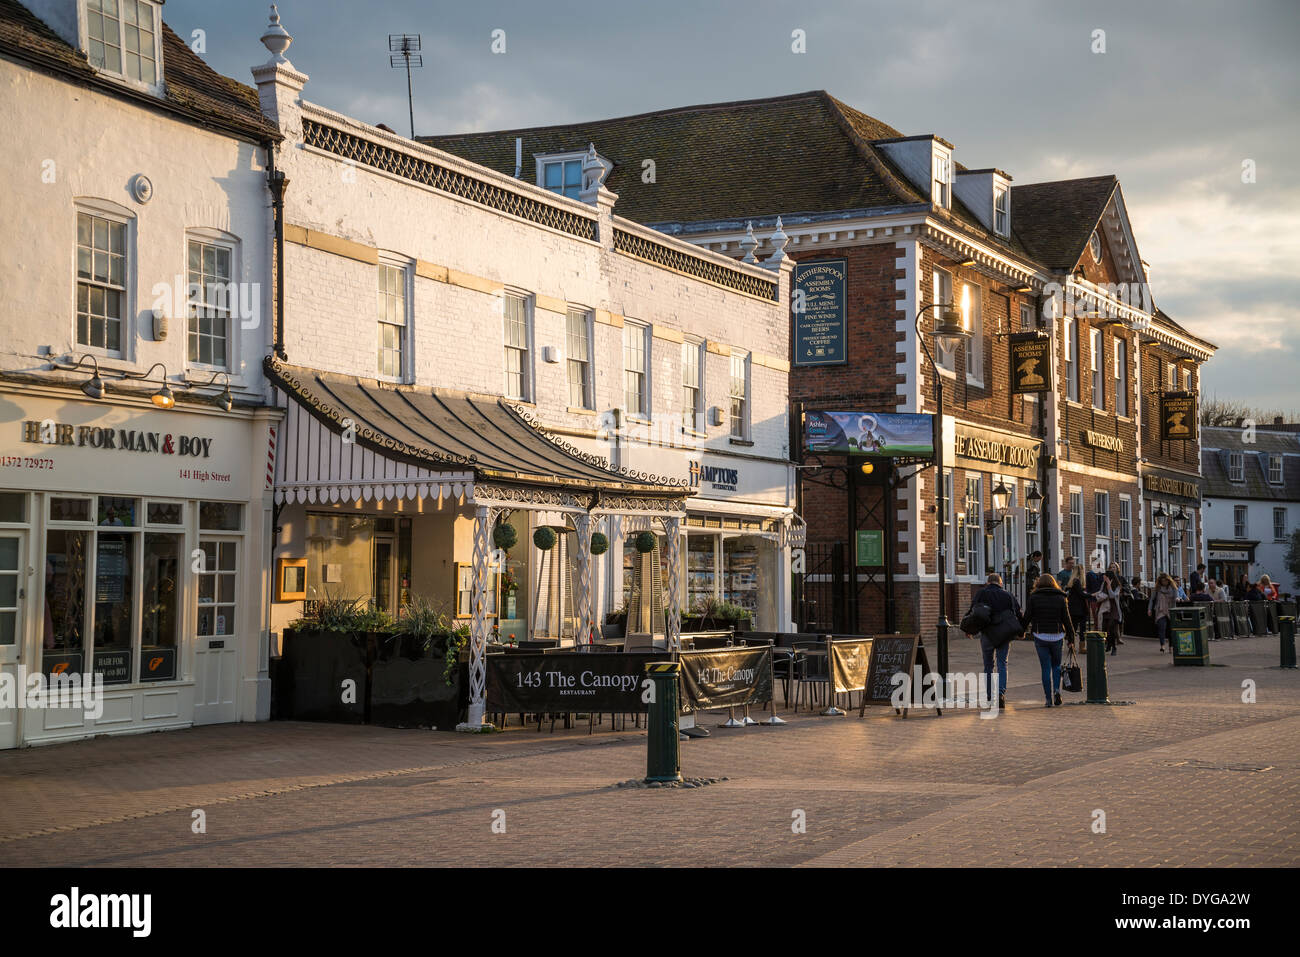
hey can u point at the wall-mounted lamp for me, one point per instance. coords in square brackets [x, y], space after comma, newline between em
[226, 401]
[94, 387]
[164, 398]
[966, 261]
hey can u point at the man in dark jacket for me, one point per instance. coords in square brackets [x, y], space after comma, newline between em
[1005, 623]
[1197, 582]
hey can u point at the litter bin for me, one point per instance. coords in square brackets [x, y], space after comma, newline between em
[1190, 629]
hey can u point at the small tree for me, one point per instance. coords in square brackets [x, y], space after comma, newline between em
[1292, 557]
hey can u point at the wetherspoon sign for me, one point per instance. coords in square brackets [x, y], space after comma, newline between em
[819, 313]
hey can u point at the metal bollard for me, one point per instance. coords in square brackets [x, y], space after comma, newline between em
[1097, 690]
[1286, 639]
[663, 755]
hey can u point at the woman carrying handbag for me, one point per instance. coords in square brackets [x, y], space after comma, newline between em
[1047, 618]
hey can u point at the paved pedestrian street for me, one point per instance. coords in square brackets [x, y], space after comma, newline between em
[1185, 774]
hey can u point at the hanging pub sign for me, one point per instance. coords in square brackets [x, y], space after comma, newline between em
[1031, 363]
[906, 436]
[1178, 416]
[819, 313]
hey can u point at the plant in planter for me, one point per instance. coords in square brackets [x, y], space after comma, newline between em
[733, 615]
[332, 646]
[599, 543]
[545, 538]
[645, 542]
[456, 643]
[505, 537]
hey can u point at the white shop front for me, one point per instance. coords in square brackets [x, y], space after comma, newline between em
[132, 550]
[736, 548]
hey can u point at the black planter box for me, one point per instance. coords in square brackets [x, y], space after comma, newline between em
[407, 689]
[311, 675]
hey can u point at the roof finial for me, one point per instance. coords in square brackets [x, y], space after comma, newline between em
[593, 170]
[276, 38]
[748, 244]
[778, 240]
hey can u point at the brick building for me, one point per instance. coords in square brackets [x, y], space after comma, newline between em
[910, 225]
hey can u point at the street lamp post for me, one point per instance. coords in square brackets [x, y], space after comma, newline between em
[948, 331]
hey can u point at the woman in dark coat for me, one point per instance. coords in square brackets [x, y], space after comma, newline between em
[1048, 619]
[1077, 597]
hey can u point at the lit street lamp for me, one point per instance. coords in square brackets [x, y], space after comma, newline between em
[948, 332]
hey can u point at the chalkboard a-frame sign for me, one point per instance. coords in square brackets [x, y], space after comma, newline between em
[891, 654]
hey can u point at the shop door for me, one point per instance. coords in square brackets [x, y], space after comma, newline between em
[217, 638]
[13, 596]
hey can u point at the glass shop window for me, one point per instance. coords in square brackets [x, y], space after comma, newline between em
[221, 516]
[701, 570]
[13, 507]
[66, 575]
[217, 577]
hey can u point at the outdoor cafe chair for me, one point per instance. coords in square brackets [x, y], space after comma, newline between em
[811, 674]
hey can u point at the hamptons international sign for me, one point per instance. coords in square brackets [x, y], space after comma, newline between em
[819, 313]
[1031, 363]
[1178, 416]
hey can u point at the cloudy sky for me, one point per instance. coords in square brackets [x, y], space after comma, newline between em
[1184, 94]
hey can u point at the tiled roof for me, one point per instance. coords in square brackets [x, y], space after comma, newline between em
[1055, 220]
[191, 87]
[802, 154]
[790, 154]
[1217, 443]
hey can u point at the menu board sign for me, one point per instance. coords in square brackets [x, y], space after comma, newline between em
[819, 313]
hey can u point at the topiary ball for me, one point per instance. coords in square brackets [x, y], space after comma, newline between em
[645, 542]
[599, 543]
[544, 538]
[505, 537]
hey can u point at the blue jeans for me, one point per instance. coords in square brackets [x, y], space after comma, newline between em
[989, 653]
[1049, 658]
[1162, 630]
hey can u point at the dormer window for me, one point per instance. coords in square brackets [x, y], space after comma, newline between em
[1001, 210]
[562, 172]
[942, 179]
[1236, 467]
[122, 38]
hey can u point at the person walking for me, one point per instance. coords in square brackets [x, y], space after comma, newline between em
[1048, 619]
[1005, 623]
[1077, 599]
[1163, 597]
[1110, 615]
[1063, 576]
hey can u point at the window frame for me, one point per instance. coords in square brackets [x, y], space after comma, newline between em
[587, 361]
[1236, 466]
[1075, 515]
[1070, 330]
[973, 294]
[745, 398]
[941, 178]
[1097, 359]
[543, 160]
[1283, 512]
[221, 240]
[1120, 350]
[693, 417]
[121, 216]
[1125, 537]
[154, 86]
[526, 370]
[945, 359]
[1240, 522]
[1002, 193]
[642, 330]
[1274, 458]
[405, 280]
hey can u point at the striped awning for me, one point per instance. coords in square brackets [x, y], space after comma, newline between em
[314, 464]
[346, 439]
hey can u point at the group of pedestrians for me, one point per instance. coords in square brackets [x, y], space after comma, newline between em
[1059, 609]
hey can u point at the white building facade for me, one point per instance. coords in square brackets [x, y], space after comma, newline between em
[134, 434]
[1252, 502]
[462, 350]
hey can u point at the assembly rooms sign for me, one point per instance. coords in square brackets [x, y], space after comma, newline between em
[998, 451]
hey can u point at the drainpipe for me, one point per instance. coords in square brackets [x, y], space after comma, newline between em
[277, 182]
